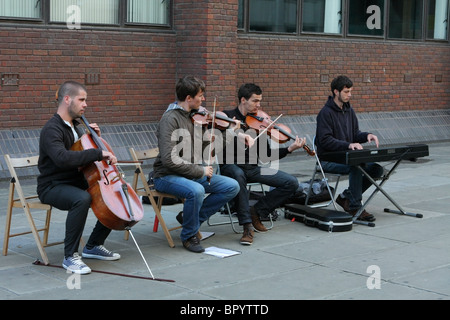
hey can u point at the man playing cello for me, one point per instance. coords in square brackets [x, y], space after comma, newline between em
[62, 185]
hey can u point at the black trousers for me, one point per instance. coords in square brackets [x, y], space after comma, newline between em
[284, 185]
[72, 197]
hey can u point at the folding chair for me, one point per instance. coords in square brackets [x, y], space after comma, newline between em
[226, 208]
[27, 203]
[258, 184]
[318, 169]
[144, 189]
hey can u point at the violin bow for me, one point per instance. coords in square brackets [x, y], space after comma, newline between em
[212, 135]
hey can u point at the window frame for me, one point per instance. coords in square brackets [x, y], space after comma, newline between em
[426, 24]
[423, 23]
[366, 36]
[275, 32]
[345, 25]
[321, 34]
[122, 24]
[41, 19]
[124, 12]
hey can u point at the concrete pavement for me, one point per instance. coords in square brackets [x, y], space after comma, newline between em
[400, 258]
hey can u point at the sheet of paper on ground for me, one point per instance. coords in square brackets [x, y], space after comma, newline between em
[221, 253]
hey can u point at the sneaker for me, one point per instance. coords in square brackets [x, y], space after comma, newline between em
[193, 244]
[247, 237]
[100, 252]
[75, 264]
[256, 221]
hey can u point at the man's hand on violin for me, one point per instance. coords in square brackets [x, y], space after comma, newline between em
[109, 157]
[236, 125]
[246, 139]
[297, 144]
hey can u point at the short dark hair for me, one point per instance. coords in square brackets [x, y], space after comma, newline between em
[188, 86]
[247, 90]
[341, 82]
[69, 88]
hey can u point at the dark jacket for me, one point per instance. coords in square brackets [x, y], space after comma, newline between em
[337, 128]
[57, 163]
[236, 156]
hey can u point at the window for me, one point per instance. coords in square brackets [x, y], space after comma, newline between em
[366, 17]
[148, 11]
[88, 11]
[79, 13]
[20, 9]
[384, 19]
[273, 15]
[241, 14]
[437, 19]
[323, 16]
[405, 19]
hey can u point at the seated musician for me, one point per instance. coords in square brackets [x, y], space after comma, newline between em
[62, 185]
[238, 164]
[178, 168]
[338, 130]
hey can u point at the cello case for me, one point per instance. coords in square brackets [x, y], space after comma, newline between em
[323, 219]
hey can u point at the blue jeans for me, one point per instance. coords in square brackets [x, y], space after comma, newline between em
[358, 183]
[284, 185]
[197, 209]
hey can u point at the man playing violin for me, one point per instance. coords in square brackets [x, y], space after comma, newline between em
[62, 185]
[179, 169]
[239, 164]
[338, 130]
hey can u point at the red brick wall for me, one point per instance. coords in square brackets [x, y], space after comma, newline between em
[207, 46]
[137, 73]
[387, 76]
[138, 70]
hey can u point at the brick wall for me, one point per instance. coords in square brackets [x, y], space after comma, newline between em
[137, 70]
[136, 73]
[295, 73]
[207, 46]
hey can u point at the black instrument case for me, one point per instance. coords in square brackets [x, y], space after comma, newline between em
[323, 219]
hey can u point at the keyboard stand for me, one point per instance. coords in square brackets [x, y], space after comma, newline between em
[379, 188]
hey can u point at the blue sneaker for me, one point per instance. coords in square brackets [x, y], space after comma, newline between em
[75, 264]
[101, 253]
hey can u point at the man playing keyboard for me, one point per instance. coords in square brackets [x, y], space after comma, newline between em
[338, 130]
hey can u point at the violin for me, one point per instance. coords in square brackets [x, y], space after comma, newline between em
[114, 202]
[278, 132]
[203, 117]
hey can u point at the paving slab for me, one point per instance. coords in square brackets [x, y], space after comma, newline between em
[291, 262]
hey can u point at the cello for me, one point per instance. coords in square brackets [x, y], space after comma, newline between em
[114, 202]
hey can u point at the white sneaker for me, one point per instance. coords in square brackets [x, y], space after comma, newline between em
[75, 264]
